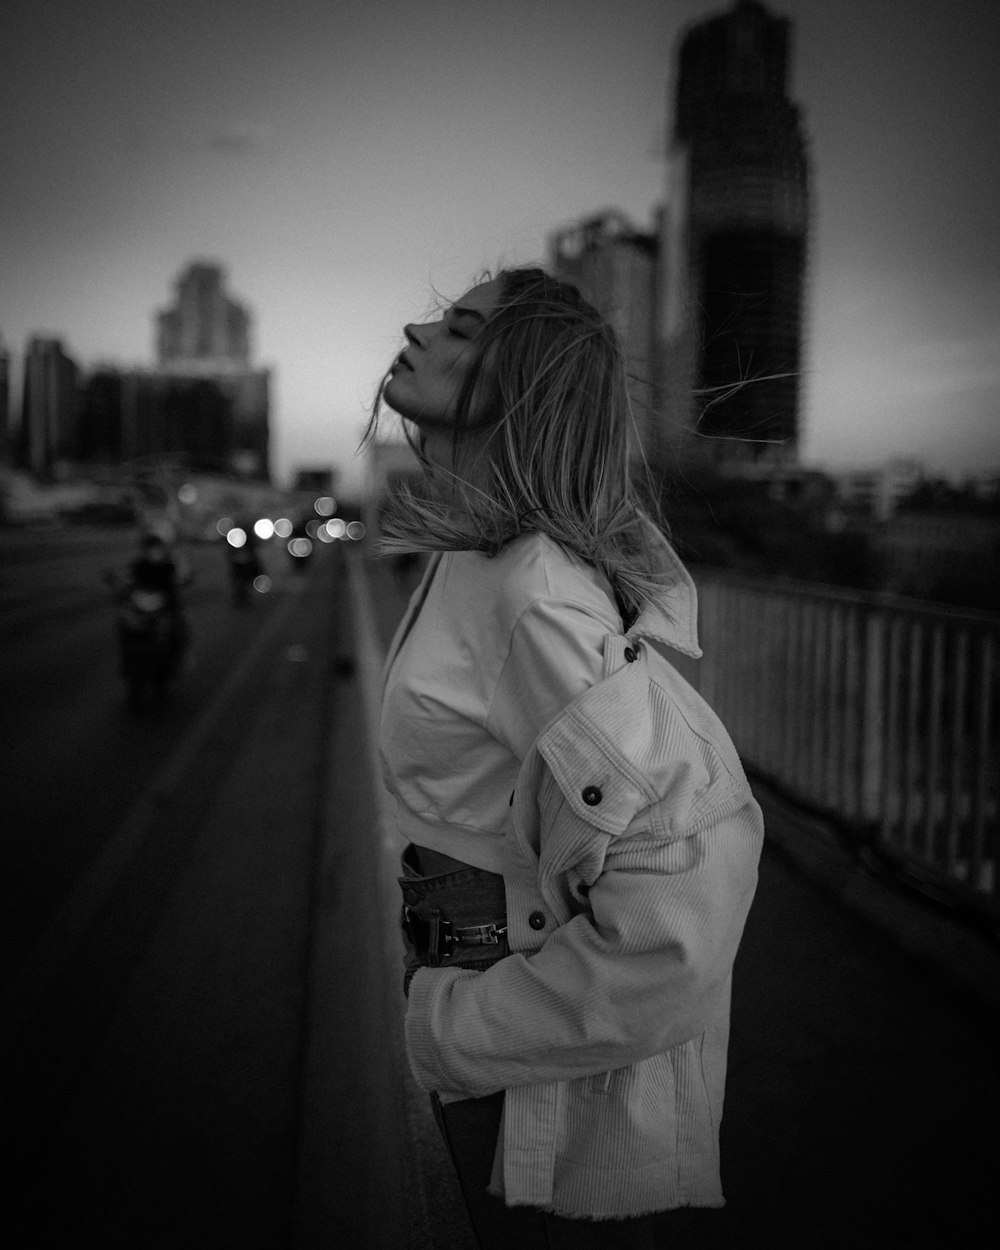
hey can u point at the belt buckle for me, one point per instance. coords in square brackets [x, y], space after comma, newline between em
[481, 934]
[436, 939]
[431, 935]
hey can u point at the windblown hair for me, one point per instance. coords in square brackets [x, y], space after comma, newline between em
[552, 448]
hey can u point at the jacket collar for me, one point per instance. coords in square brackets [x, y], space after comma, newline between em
[671, 618]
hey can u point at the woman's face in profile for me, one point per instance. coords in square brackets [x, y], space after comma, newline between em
[427, 377]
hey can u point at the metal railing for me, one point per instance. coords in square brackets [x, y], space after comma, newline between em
[883, 713]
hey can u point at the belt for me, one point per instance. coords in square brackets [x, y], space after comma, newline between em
[436, 939]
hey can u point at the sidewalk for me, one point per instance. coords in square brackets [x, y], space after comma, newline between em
[862, 1099]
[435, 1217]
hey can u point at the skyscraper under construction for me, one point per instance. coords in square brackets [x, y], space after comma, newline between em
[734, 240]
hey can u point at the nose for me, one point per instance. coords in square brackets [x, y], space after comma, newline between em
[414, 335]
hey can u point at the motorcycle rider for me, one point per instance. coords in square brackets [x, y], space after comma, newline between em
[244, 562]
[155, 569]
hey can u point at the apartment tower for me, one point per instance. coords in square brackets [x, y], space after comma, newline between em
[733, 246]
[49, 409]
[613, 265]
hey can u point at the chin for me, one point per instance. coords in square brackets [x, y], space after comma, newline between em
[394, 396]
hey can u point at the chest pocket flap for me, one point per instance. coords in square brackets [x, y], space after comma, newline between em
[600, 783]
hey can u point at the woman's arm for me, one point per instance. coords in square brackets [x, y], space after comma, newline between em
[644, 969]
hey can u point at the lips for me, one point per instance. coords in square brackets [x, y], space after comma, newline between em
[401, 360]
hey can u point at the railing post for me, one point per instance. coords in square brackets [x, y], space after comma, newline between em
[872, 746]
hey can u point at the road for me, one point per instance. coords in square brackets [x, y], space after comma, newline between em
[159, 899]
[75, 758]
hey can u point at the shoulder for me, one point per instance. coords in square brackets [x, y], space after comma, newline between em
[532, 571]
[646, 740]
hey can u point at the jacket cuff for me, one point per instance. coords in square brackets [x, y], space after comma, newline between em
[422, 1049]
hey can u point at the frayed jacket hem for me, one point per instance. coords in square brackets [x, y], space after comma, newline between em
[605, 1217]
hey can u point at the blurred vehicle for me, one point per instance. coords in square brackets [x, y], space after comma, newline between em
[300, 545]
[152, 630]
[244, 562]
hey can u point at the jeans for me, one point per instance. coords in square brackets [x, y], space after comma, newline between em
[442, 910]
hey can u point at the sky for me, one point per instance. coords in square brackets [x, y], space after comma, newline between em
[347, 160]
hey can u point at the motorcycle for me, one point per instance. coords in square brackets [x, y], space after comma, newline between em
[151, 640]
[244, 569]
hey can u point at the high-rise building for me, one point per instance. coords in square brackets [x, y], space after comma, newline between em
[204, 328]
[614, 266]
[734, 240]
[48, 429]
[203, 405]
[211, 404]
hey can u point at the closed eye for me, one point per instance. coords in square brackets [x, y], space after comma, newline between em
[465, 317]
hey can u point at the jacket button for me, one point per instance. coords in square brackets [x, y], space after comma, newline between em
[592, 796]
[630, 655]
[537, 920]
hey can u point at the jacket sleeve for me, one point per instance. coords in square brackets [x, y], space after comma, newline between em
[644, 966]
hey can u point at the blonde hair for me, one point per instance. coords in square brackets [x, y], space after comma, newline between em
[552, 448]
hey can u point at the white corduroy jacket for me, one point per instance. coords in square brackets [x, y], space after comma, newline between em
[629, 869]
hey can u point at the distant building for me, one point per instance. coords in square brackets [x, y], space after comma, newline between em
[949, 556]
[215, 403]
[875, 492]
[734, 234]
[984, 484]
[203, 405]
[614, 266]
[101, 437]
[205, 330]
[47, 434]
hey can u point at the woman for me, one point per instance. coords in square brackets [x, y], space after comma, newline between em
[582, 842]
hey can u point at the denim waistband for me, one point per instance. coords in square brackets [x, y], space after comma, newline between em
[453, 919]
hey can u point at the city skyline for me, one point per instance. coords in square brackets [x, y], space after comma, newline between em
[343, 162]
